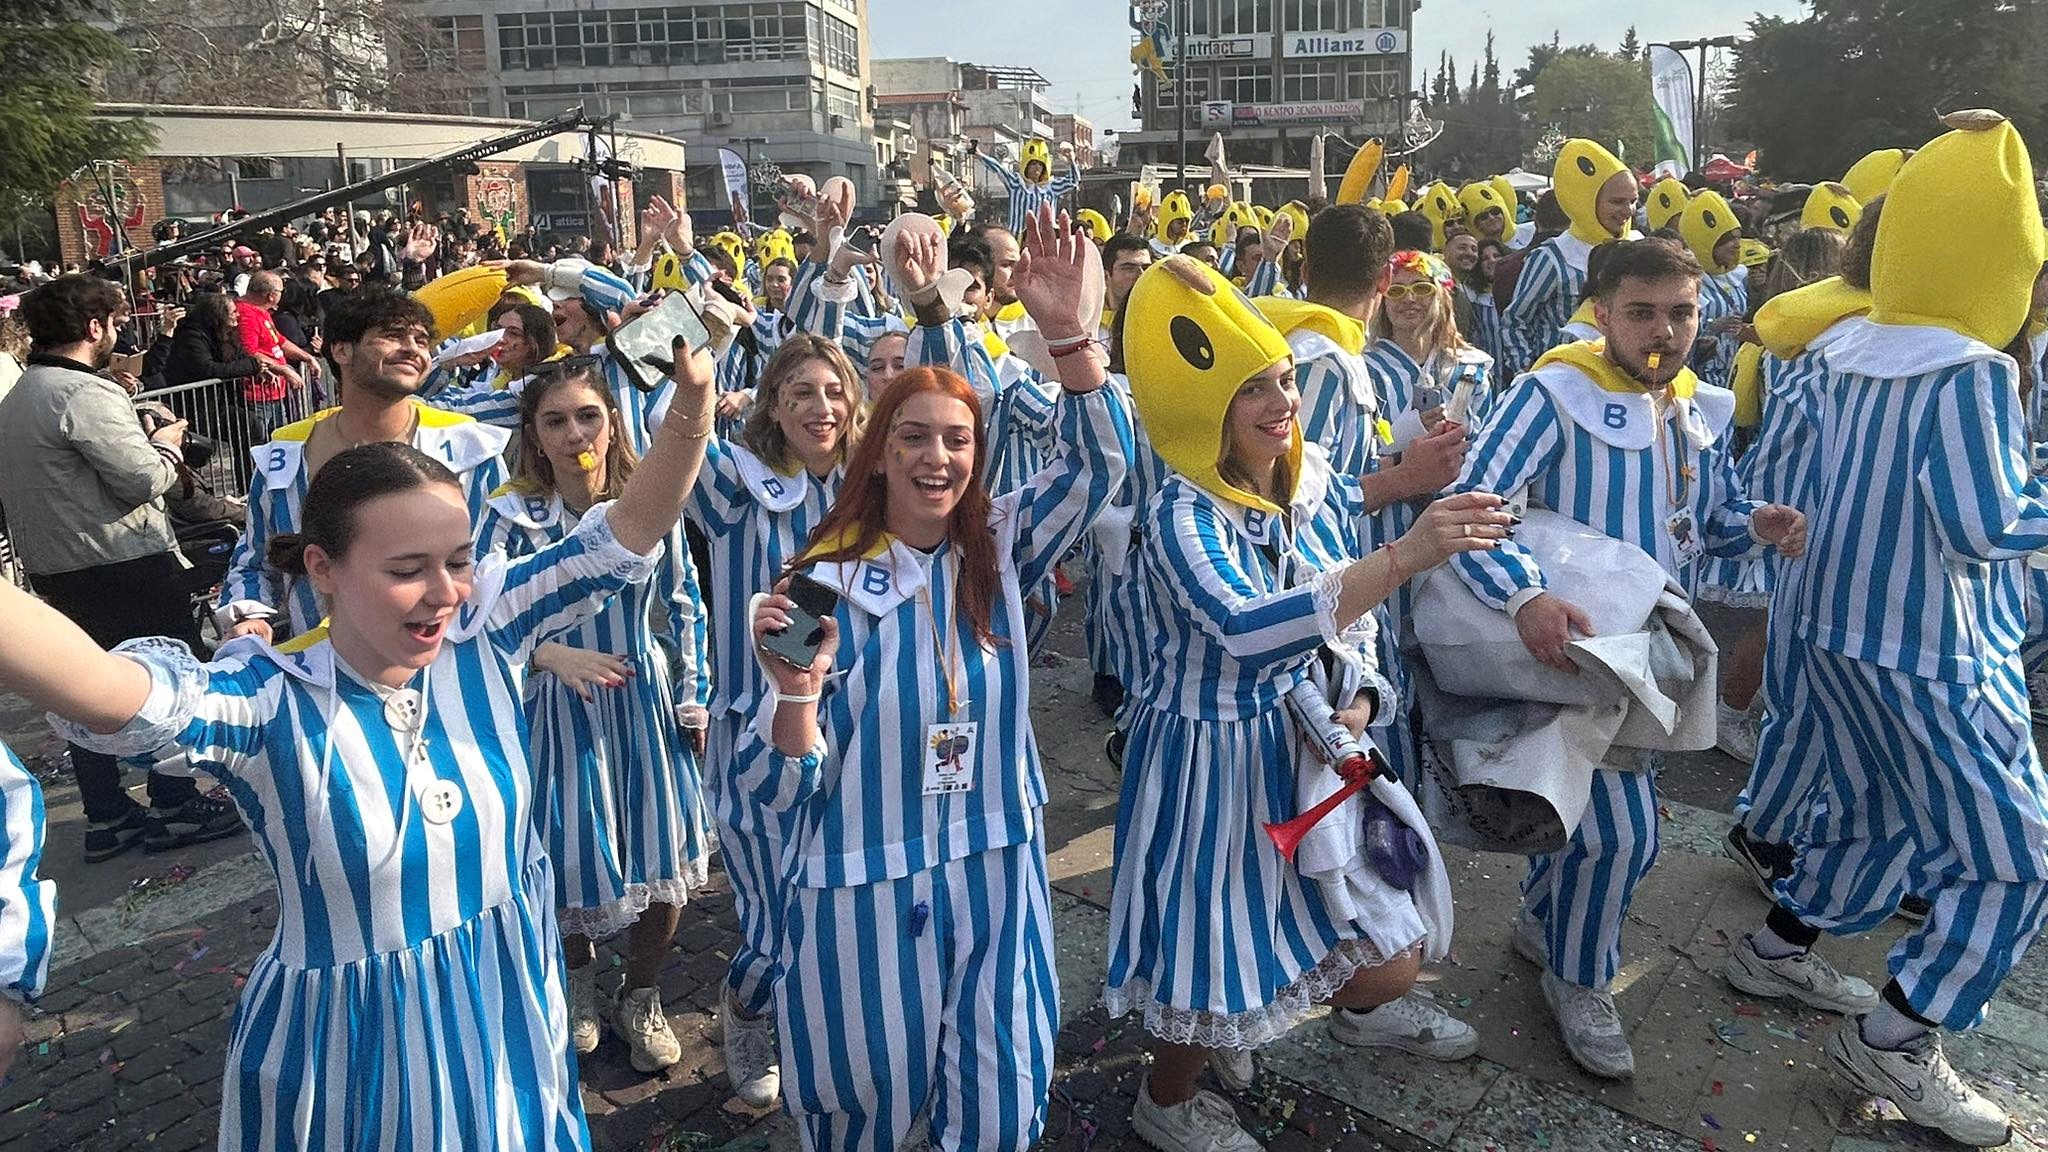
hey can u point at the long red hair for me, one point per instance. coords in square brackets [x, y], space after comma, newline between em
[856, 521]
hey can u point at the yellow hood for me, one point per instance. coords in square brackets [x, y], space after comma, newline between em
[1960, 242]
[460, 299]
[1188, 350]
[1291, 316]
[1297, 212]
[1506, 190]
[1237, 216]
[1263, 215]
[1755, 253]
[1478, 199]
[1583, 168]
[1590, 357]
[1441, 205]
[773, 246]
[1790, 321]
[1872, 176]
[1831, 206]
[1665, 202]
[1038, 150]
[1173, 207]
[731, 244]
[1095, 224]
[1706, 219]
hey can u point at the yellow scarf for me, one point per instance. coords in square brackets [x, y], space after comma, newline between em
[1590, 358]
[1290, 316]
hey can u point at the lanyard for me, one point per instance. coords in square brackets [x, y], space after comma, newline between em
[1677, 475]
[947, 646]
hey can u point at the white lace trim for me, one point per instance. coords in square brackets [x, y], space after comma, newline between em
[1327, 586]
[1254, 1027]
[176, 689]
[608, 920]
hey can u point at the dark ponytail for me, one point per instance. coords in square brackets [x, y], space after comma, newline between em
[351, 479]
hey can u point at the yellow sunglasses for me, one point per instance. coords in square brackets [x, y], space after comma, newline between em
[1419, 290]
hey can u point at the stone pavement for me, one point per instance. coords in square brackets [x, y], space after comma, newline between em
[126, 1052]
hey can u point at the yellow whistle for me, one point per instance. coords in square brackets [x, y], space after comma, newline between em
[586, 461]
[1656, 358]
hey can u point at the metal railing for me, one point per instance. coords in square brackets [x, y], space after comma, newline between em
[219, 410]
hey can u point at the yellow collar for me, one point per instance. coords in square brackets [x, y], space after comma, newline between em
[1290, 316]
[1590, 358]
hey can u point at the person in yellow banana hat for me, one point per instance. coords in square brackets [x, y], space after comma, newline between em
[1598, 195]
[1173, 223]
[1031, 185]
[1442, 206]
[1833, 206]
[1665, 203]
[1908, 681]
[1486, 214]
[1714, 234]
[1213, 382]
[1872, 176]
[1096, 225]
[1618, 435]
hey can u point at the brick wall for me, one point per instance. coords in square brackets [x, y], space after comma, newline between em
[87, 227]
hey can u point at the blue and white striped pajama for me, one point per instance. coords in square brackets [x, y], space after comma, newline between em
[1546, 294]
[28, 903]
[1027, 198]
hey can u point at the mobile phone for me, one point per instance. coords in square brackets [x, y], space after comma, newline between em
[864, 239]
[645, 345]
[1428, 396]
[797, 645]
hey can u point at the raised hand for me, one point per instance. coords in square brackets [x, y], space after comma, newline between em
[1278, 237]
[1059, 277]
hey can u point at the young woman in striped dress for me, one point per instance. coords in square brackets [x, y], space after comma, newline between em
[1713, 233]
[411, 997]
[622, 809]
[757, 500]
[1249, 557]
[1478, 315]
[917, 929]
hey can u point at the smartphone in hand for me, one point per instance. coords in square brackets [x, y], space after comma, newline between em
[797, 645]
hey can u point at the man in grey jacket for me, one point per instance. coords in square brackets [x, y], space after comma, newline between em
[84, 492]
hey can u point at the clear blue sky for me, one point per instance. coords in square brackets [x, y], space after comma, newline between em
[1083, 46]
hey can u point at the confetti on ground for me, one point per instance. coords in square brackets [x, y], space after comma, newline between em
[1748, 1010]
[1728, 1034]
[1717, 1088]
[1783, 1033]
[1707, 1118]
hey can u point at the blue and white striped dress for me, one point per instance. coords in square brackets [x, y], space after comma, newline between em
[1114, 622]
[1721, 296]
[1214, 937]
[1622, 464]
[28, 903]
[1027, 198]
[2034, 653]
[1400, 380]
[1777, 469]
[278, 488]
[1486, 333]
[622, 806]
[917, 945]
[754, 520]
[1909, 613]
[412, 995]
[1546, 294]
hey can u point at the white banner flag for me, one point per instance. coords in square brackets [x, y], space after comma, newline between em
[1671, 86]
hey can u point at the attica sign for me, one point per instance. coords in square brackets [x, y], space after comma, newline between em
[1371, 42]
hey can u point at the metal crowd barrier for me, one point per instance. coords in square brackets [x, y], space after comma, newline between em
[217, 409]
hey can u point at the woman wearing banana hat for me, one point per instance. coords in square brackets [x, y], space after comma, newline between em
[1598, 195]
[1253, 587]
[1909, 621]
[1713, 233]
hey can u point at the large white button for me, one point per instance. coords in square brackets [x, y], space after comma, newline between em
[441, 801]
[404, 710]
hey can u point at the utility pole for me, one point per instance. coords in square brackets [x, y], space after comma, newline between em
[1180, 81]
[1699, 115]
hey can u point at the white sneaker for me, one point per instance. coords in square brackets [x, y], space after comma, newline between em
[1203, 1123]
[1233, 1067]
[750, 1059]
[1920, 1081]
[1413, 1024]
[643, 1024]
[1735, 731]
[584, 1024]
[1592, 1028]
[1805, 977]
[1528, 941]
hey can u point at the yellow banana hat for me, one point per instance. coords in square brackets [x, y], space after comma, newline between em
[1391, 207]
[1096, 224]
[1235, 218]
[1035, 149]
[1478, 199]
[460, 299]
[668, 274]
[1706, 220]
[1960, 241]
[1442, 207]
[773, 246]
[1191, 340]
[1296, 211]
[1506, 188]
[1666, 200]
[1173, 208]
[1583, 168]
[1263, 215]
[1755, 253]
[1360, 173]
[1868, 178]
[731, 244]
[1397, 188]
[1831, 206]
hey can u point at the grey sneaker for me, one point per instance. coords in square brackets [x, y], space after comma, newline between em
[1736, 731]
[1234, 1068]
[750, 1058]
[643, 1024]
[1592, 1028]
[1806, 977]
[584, 1025]
[1920, 1081]
[1528, 941]
[1203, 1123]
[1412, 1024]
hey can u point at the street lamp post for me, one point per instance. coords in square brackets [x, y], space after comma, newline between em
[1699, 115]
[748, 142]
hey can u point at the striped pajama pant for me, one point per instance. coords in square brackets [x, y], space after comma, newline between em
[937, 987]
[1580, 896]
[1926, 778]
[1787, 767]
[2034, 649]
[753, 842]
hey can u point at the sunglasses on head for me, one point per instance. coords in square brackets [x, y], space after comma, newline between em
[1420, 290]
[567, 365]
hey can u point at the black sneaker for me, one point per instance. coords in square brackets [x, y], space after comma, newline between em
[1914, 909]
[194, 822]
[1113, 748]
[1765, 862]
[1108, 693]
[106, 839]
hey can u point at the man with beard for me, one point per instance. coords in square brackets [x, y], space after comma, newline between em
[379, 344]
[84, 491]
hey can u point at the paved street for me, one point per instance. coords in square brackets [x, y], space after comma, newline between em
[126, 1052]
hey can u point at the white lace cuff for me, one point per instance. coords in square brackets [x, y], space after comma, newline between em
[605, 551]
[1327, 587]
[844, 292]
[177, 681]
[235, 611]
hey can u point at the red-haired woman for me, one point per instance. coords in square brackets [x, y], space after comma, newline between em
[917, 936]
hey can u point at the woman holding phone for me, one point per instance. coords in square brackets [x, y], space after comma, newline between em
[411, 996]
[622, 806]
[917, 931]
